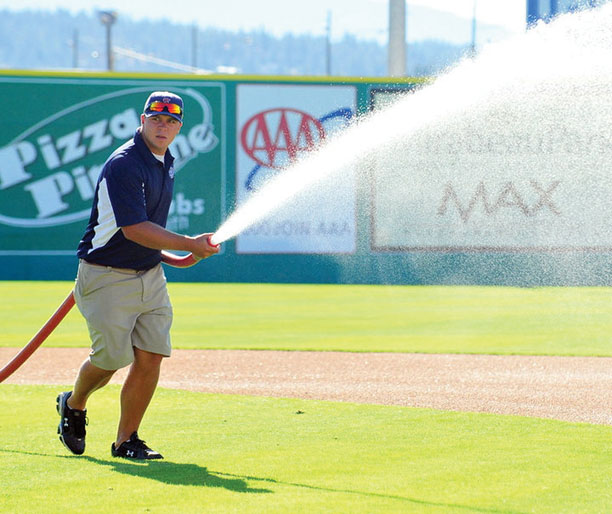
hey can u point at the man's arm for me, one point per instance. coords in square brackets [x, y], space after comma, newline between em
[154, 236]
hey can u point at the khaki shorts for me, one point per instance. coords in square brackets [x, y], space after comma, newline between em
[123, 309]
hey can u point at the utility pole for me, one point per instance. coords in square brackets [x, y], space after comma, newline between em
[473, 47]
[194, 46]
[75, 48]
[397, 38]
[108, 18]
[328, 44]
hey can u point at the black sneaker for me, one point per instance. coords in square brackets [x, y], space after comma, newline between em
[134, 448]
[71, 429]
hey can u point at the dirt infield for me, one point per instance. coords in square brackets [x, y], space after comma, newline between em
[566, 388]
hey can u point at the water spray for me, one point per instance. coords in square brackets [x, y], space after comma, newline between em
[496, 141]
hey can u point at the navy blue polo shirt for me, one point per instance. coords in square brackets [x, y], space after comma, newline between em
[133, 187]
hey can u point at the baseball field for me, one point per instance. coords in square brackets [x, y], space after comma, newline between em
[349, 431]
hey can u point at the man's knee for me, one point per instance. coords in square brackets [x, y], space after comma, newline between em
[142, 357]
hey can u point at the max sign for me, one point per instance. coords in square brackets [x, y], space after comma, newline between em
[48, 173]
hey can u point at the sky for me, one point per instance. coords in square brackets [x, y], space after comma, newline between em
[367, 19]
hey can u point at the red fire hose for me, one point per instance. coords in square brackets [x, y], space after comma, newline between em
[167, 257]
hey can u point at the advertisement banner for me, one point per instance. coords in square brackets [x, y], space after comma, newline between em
[61, 133]
[276, 125]
[498, 179]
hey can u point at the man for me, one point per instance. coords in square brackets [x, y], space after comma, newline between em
[120, 287]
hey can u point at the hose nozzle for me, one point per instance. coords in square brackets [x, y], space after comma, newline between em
[210, 241]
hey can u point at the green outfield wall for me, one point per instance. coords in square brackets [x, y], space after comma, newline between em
[239, 131]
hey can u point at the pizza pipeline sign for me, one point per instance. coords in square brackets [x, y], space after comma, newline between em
[48, 171]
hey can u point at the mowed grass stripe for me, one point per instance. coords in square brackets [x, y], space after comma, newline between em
[246, 454]
[428, 319]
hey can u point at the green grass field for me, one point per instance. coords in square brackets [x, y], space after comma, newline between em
[245, 454]
[499, 320]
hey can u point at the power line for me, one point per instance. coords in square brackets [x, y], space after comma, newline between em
[162, 62]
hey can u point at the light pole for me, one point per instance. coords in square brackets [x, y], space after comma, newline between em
[108, 18]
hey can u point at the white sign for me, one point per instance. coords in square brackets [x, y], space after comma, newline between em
[277, 125]
[531, 177]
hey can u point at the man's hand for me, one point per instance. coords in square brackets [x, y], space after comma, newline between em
[202, 248]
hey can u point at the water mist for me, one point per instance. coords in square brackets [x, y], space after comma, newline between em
[508, 152]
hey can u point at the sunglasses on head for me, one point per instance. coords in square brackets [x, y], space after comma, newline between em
[163, 106]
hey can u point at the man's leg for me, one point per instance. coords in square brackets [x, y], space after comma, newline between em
[90, 379]
[137, 392]
[71, 406]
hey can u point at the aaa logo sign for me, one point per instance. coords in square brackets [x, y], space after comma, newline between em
[277, 126]
[276, 137]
